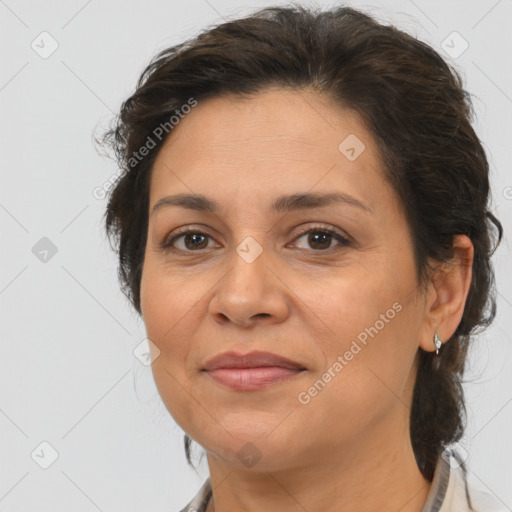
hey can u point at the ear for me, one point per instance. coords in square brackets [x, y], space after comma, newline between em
[447, 292]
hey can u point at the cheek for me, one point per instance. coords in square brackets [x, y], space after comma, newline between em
[349, 304]
[164, 298]
[167, 313]
[366, 370]
[369, 319]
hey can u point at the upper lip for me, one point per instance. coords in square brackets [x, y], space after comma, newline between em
[250, 360]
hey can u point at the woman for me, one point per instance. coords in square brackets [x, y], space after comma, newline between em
[303, 225]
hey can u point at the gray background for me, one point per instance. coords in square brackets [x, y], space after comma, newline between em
[68, 374]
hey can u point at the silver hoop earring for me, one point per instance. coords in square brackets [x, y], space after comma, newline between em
[437, 343]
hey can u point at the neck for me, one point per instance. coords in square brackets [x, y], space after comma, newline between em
[371, 475]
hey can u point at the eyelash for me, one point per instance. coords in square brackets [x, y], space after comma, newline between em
[343, 241]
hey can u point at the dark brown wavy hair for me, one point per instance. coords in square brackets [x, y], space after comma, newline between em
[411, 101]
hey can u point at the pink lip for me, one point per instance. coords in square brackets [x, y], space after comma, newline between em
[255, 370]
[253, 359]
[248, 379]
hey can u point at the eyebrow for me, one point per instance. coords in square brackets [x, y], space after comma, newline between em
[283, 204]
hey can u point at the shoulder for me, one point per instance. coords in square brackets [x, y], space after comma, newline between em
[484, 501]
[200, 501]
[462, 493]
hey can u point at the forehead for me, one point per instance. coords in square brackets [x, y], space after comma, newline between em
[274, 141]
[275, 121]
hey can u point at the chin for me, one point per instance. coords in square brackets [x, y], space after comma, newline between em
[257, 447]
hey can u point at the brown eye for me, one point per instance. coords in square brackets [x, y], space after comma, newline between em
[195, 241]
[321, 239]
[192, 241]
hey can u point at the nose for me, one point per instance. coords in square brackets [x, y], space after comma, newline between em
[250, 292]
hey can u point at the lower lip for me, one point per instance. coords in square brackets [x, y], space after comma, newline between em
[248, 379]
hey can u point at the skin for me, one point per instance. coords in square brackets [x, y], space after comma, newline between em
[348, 448]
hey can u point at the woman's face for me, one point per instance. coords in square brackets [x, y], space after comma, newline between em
[254, 277]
